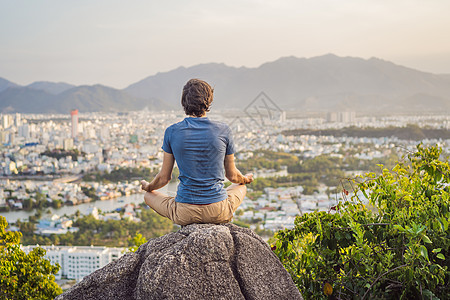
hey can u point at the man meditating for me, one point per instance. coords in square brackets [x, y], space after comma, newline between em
[204, 152]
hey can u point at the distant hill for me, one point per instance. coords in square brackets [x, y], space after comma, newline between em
[319, 84]
[84, 98]
[4, 84]
[26, 100]
[167, 86]
[324, 83]
[103, 98]
[51, 87]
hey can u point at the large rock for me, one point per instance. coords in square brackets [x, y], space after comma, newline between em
[200, 261]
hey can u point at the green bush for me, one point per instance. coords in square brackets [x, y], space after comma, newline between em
[24, 276]
[134, 242]
[397, 249]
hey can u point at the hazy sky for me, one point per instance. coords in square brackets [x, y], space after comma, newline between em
[117, 43]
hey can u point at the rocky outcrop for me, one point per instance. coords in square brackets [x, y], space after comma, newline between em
[200, 261]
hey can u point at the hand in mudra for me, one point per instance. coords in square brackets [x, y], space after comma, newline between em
[248, 178]
[144, 185]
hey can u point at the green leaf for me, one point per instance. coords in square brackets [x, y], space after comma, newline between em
[437, 250]
[424, 251]
[427, 240]
[399, 228]
[440, 256]
[429, 295]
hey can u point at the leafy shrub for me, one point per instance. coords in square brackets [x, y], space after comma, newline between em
[396, 246]
[137, 240]
[24, 276]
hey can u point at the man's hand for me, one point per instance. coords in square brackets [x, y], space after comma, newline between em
[248, 178]
[163, 177]
[145, 185]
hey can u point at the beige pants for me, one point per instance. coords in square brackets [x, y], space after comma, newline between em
[185, 213]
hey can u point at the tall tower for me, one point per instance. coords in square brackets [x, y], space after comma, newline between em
[17, 120]
[74, 114]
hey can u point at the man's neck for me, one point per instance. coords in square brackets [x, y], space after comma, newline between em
[202, 116]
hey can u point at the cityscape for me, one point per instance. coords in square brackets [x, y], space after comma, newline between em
[50, 157]
[47, 153]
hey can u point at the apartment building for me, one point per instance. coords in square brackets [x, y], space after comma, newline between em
[78, 261]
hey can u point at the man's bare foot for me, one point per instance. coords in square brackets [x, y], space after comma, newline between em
[144, 185]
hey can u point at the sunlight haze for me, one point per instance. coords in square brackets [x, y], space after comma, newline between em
[117, 43]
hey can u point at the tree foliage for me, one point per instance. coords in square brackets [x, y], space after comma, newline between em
[112, 233]
[309, 172]
[265, 159]
[399, 251]
[59, 153]
[137, 240]
[24, 276]
[121, 174]
[409, 132]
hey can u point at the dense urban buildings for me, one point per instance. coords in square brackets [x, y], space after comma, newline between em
[42, 156]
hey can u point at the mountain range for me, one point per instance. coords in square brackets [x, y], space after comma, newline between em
[318, 84]
[47, 97]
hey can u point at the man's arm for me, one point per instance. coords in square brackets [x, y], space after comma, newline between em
[233, 174]
[163, 177]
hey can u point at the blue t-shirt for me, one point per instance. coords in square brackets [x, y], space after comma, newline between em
[199, 146]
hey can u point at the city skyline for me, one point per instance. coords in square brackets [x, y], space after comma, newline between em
[116, 44]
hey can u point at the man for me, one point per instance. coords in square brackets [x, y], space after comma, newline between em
[204, 152]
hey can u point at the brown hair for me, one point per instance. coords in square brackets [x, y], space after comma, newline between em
[197, 97]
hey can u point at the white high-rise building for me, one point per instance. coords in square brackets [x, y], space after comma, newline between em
[3, 136]
[104, 133]
[283, 117]
[17, 120]
[24, 131]
[6, 121]
[79, 261]
[341, 116]
[68, 144]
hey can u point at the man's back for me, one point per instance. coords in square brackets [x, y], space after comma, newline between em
[199, 146]
[204, 152]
